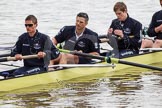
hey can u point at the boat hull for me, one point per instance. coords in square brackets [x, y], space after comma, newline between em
[71, 73]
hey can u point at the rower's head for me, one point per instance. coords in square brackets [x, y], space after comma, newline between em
[81, 20]
[31, 24]
[120, 10]
[161, 2]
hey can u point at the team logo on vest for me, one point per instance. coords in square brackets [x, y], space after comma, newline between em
[37, 46]
[26, 45]
[159, 21]
[81, 44]
[72, 41]
[127, 31]
[127, 53]
[96, 45]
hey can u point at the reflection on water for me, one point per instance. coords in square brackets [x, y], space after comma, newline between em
[122, 91]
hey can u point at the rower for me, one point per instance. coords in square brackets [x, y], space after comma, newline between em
[124, 33]
[154, 30]
[33, 42]
[78, 38]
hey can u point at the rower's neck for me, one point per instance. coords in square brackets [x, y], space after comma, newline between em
[31, 34]
[79, 32]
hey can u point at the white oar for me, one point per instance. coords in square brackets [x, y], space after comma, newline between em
[5, 48]
[151, 49]
[9, 65]
[5, 55]
[82, 65]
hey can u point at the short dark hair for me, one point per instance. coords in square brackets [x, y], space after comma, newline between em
[32, 18]
[120, 6]
[84, 15]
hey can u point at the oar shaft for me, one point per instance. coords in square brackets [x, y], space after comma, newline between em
[82, 65]
[3, 59]
[111, 60]
[6, 48]
[107, 59]
[5, 55]
[151, 49]
[88, 55]
[139, 65]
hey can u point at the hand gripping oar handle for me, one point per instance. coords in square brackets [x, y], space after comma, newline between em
[13, 58]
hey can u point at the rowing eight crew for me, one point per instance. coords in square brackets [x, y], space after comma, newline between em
[78, 38]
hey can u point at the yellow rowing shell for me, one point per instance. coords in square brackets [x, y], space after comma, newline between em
[71, 73]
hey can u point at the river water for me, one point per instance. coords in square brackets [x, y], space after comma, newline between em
[143, 90]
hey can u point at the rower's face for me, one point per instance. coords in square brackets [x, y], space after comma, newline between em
[121, 15]
[161, 2]
[30, 26]
[80, 23]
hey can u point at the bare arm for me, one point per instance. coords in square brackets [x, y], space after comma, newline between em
[54, 41]
[94, 53]
[158, 29]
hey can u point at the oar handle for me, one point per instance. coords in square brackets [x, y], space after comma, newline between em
[29, 56]
[104, 40]
[13, 58]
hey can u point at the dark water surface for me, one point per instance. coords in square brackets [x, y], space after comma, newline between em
[132, 89]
